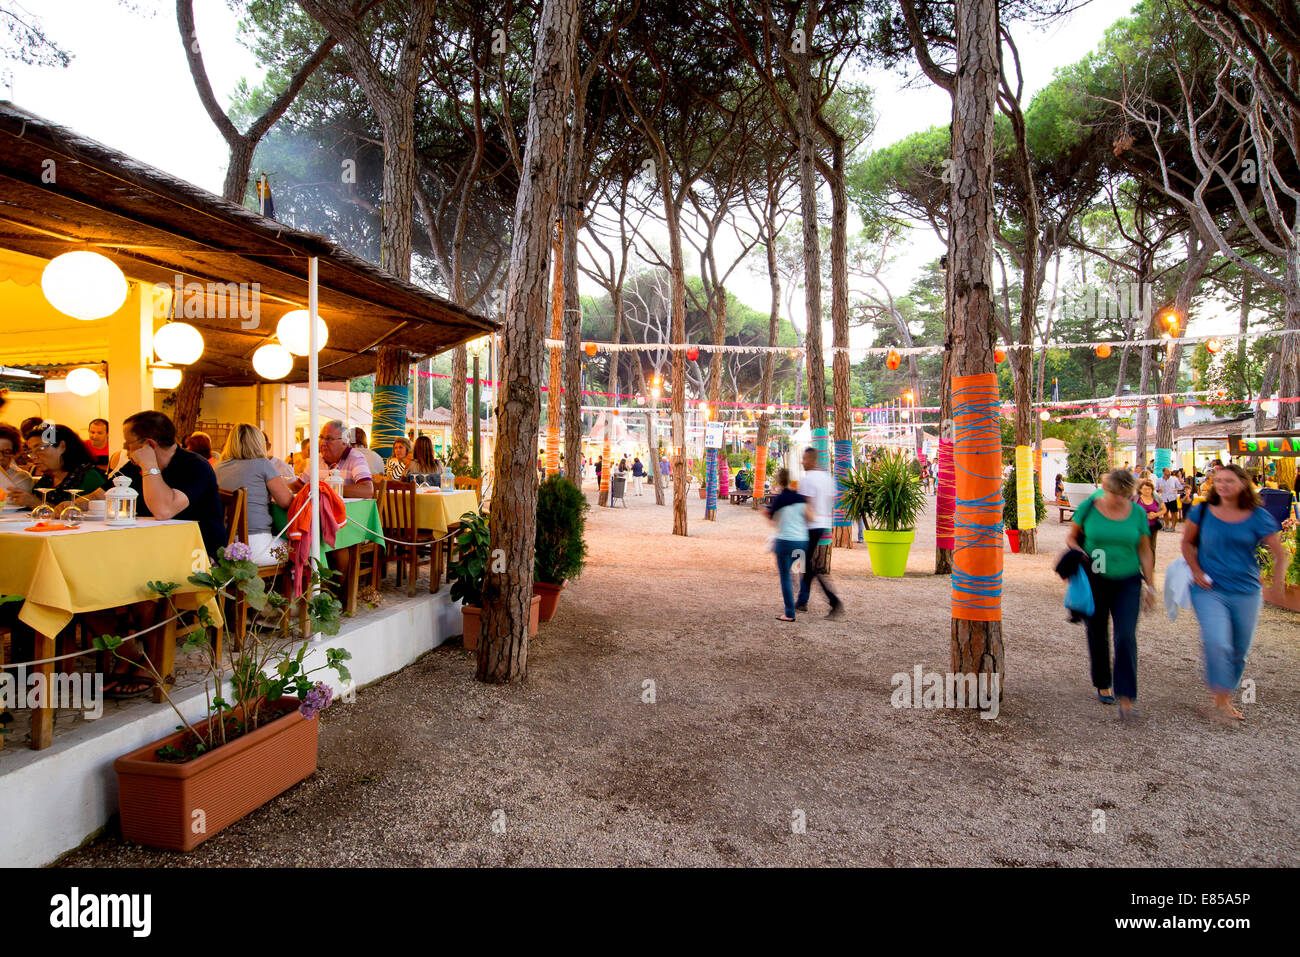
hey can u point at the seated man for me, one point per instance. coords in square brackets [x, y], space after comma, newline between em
[335, 452]
[97, 445]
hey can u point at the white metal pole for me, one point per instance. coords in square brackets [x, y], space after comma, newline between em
[313, 414]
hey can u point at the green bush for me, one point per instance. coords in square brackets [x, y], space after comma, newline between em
[561, 549]
[1010, 514]
[857, 492]
[1088, 458]
[894, 494]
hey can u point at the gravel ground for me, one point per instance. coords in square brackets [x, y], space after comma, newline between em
[758, 726]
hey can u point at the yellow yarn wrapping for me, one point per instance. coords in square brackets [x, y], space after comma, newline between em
[1025, 517]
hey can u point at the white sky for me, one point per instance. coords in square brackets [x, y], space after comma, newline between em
[128, 86]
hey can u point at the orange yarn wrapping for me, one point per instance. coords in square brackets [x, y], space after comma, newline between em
[977, 520]
[760, 471]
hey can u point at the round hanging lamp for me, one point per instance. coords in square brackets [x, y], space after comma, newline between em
[178, 343]
[83, 382]
[292, 331]
[272, 361]
[84, 285]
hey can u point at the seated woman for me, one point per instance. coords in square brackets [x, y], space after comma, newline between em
[66, 470]
[245, 465]
[200, 443]
[13, 479]
[398, 465]
[423, 461]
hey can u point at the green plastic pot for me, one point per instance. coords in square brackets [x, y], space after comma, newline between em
[888, 551]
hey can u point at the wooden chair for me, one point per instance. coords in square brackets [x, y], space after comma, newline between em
[400, 524]
[235, 506]
[467, 481]
[376, 552]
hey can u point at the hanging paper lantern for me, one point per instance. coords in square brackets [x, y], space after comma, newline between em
[692, 353]
[640, 400]
[84, 285]
[1213, 345]
[164, 376]
[1045, 415]
[1167, 399]
[292, 332]
[616, 411]
[83, 382]
[1103, 351]
[999, 355]
[893, 359]
[1113, 413]
[857, 416]
[272, 361]
[178, 343]
[590, 348]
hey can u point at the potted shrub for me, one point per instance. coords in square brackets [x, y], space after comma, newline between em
[1010, 514]
[1087, 460]
[259, 738]
[701, 476]
[468, 570]
[894, 503]
[1288, 596]
[561, 549]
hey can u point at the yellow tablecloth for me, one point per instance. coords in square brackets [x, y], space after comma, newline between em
[63, 573]
[437, 510]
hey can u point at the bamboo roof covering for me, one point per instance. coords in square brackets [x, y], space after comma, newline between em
[156, 227]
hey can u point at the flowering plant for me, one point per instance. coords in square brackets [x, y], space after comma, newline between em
[265, 664]
[1291, 542]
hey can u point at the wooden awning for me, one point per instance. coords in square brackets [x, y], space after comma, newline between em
[156, 227]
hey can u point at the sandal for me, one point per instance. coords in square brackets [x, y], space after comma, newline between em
[131, 682]
[783, 618]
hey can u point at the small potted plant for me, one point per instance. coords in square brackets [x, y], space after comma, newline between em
[1010, 513]
[895, 501]
[468, 570]
[702, 477]
[561, 549]
[260, 736]
[1086, 462]
[1288, 595]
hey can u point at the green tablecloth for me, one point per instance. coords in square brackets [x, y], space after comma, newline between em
[362, 525]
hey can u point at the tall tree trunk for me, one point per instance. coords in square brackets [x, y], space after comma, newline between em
[842, 536]
[1289, 347]
[459, 401]
[554, 401]
[812, 256]
[572, 217]
[508, 581]
[769, 360]
[1199, 253]
[976, 645]
[189, 397]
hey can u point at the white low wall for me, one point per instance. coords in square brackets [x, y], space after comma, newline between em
[51, 801]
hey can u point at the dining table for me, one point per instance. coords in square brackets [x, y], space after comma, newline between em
[436, 510]
[362, 525]
[61, 572]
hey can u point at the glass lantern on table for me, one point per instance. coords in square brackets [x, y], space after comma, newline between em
[335, 481]
[119, 508]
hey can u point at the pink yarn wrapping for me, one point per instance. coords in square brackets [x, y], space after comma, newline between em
[724, 475]
[946, 504]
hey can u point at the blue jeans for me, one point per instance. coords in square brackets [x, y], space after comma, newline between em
[785, 552]
[1227, 622]
[1117, 600]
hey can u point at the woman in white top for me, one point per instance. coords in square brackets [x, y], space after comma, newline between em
[12, 478]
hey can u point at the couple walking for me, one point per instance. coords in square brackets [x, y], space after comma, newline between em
[800, 519]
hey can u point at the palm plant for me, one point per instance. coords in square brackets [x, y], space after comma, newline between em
[894, 494]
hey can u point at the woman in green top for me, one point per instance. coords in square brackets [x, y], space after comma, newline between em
[1112, 530]
[68, 469]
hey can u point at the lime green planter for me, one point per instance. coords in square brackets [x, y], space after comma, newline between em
[888, 551]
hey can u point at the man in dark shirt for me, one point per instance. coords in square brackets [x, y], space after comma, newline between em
[173, 482]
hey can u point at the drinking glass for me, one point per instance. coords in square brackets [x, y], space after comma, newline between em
[73, 512]
[43, 512]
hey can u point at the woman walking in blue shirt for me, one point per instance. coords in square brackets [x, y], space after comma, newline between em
[1222, 536]
[790, 512]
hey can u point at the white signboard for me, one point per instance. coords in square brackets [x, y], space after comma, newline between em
[713, 435]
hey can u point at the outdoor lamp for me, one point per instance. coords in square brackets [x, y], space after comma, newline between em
[1045, 415]
[476, 347]
[292, 332]
[1213, 345]
[272, 361]
[178, 343]
[1113, 413]
[84, 285]
[165, 376]
[82, 382]
[119, 502]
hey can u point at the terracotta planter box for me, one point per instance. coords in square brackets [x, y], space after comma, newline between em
[471, 623]
[1288, 596]
[179, 806]
[550, 598]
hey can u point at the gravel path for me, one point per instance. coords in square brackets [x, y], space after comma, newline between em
[758, 727]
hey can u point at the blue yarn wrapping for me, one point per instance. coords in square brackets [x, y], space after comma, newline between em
[1164, 460]
[843, 465]
[711, 479]
[821, 441]
[976, 431]
[387, 418]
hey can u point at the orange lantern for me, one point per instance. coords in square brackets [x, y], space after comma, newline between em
[999, 355]
[1213, 345]
[893, 359]
[692, 353]
[1103, 351]
[1167, 399]
[590, 348]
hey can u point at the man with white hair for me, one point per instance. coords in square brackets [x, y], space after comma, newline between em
[337, 452]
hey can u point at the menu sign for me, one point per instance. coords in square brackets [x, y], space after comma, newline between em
[1278, 445]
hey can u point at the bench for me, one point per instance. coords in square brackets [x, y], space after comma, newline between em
[739, 498]
[1064, 508]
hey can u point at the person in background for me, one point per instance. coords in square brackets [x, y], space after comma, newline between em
[819, 488]
[281, 466]
[1171, 496]
[1060, 487]
[399, 463]
[97, 445]
[638, 475]
[172, 482]
[302, 458]
[14, 481]
[362, 444]
[245, 464]
[600, 464]
[1112, 530]
[622, 465]
[66, 470]
[423, 458]
[31, 430]
[790, 512]
[200, 443]
[335, 452]
[1155, 509]
[1220, 542]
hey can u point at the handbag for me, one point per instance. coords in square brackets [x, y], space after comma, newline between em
[1078, 593]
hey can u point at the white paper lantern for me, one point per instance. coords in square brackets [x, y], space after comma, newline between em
[178, 343]
[272, 361]
[83, 382]
[292, 330]
[165, 376]
[84, 285]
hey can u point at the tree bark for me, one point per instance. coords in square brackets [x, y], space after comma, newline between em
[842, 536]
[976, 646]
[459, 400]
[507, 593]
[189, 397]
[812, 256]
[773, 329]
[1199, 253]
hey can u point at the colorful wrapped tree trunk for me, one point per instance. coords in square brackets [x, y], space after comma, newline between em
[843, 465]
[724, 476]
[1026, 514]
[1164, 460]
[821, 441]
[977, 521]
[710, 484]
[606, 465]
[760, 470]
[946, 499]
[554, 403]
[388, 413]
